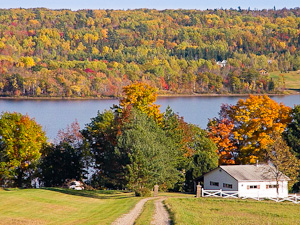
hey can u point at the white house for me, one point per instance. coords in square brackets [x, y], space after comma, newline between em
[256, 181]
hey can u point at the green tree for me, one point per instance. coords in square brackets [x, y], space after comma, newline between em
[65, 159]
[60, 162]
[100, 139]
[131, 147]
[292, 137]
[196, 153]
[292, 133]
[283, 161]
[203, 160]
[21, 140]
[151, 154]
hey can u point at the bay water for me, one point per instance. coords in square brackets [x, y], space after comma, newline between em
[54, 115]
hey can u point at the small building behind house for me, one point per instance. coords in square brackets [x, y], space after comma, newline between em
[73, 184]
[222, 64]
[263, 72]
[254, 181]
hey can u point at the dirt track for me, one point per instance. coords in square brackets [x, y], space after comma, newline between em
[161, 216]
[129, 218]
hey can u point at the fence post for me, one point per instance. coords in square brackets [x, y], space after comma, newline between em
[199, 192]
[155, 194]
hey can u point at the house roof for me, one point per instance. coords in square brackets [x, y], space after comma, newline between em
[262, 70]
[252, 172]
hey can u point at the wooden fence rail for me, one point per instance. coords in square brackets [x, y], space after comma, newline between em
[219, 193]
[234, 194]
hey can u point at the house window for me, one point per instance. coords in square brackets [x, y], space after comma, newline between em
[227, 185]
[271, 186]
[253, 186]
[212, 183]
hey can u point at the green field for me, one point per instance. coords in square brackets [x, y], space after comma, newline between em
[292, 79]
[230, 211]
[61, 206]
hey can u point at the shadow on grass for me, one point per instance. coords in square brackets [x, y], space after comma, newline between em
[171, 213]
[99, 194]
[11, 189]
[4, 189]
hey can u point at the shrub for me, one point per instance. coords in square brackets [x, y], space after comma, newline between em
[143, 192]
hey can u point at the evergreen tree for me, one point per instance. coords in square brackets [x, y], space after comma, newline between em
[151, 154]
[292, 133]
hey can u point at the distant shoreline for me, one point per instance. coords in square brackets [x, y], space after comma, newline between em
[57, 98]
[218, 95]
[159, 96]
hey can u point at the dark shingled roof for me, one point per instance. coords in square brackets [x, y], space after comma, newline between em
[252, 172]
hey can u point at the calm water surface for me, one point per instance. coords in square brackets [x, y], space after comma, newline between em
[57, 114]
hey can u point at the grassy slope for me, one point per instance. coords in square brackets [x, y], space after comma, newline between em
[230, 211]
[292, 79]
[58, 206]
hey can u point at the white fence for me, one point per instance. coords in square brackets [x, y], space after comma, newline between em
[219, 193]
[234, 194]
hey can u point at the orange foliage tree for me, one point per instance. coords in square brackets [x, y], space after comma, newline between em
[221, 134]
[243, 131]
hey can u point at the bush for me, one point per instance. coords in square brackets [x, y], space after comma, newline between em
[88, 187]
[143, 192]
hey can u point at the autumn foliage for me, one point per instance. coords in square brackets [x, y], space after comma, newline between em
[51, 53]
[21, 140]
[141, 96]
[221, 133]
[243, 131]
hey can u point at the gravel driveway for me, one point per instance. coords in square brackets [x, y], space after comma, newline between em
[161, 216]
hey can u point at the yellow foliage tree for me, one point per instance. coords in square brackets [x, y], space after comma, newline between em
[141, 96]
[27, 61]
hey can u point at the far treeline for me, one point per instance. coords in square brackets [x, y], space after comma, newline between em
[134, 146]
[95, 53]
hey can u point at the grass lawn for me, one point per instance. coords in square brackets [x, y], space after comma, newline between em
[231, 211]
[292, 79]
[62, 206]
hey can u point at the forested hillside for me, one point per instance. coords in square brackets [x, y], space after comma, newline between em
[96, 52]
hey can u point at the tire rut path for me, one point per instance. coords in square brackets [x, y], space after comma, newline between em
[129, 218]
[161, 216]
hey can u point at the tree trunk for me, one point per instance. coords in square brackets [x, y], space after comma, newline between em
[277, 187]
[20, 178]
